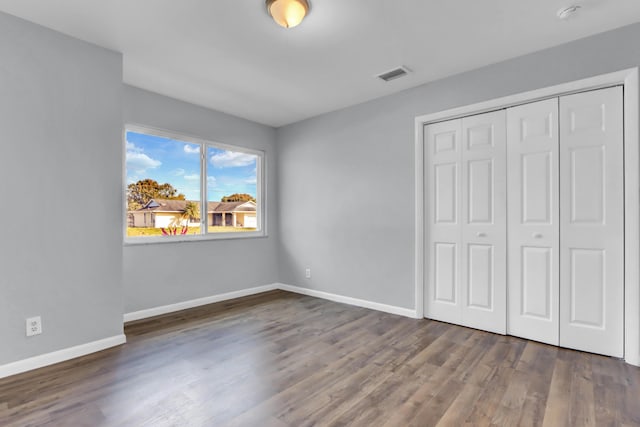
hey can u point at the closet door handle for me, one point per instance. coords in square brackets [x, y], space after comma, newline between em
[481, 234]
[537, 235]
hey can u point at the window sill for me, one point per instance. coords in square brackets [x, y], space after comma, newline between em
[138, 241]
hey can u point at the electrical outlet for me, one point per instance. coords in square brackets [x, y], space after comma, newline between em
[307, 273]
[34, 326]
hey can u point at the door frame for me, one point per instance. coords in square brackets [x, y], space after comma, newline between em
[628, 78]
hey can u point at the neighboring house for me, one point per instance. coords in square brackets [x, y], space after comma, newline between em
[162, 213]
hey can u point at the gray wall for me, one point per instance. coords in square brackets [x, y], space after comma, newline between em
[61, 112]
[340, 197]
[162, 274]
[60, 168]
[346, 179]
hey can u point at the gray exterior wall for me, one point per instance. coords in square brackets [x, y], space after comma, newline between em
[346, 179]
[168, 273]
[60, 167]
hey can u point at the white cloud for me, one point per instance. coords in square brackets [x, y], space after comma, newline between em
[230, 159]
[251, 180]
[211, 181]
[131, 147]
[140, 162]
[193, 177]
[178, 172]
[191, 149]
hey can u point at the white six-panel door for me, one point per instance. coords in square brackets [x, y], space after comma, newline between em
[484, 252]
[533, 209]
[443, 145]
[466, 236]
[592, 222]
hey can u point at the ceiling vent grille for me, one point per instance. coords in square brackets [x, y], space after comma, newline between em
[396, 73]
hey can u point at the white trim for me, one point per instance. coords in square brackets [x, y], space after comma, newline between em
[157, 311]
[40, 361]
[632, 218]
[591, 83]
[47, 359]
[419, 236]
[161, 240]
[628, 78]
[165, 309]
[400, 311]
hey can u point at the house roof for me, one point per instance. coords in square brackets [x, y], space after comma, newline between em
[166, 205]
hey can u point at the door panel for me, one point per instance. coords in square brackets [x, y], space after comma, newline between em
[587, 294]
[592, 222]
[480, 279]
[587, 184]
[532, 153]
[536, 188]
[446, 186]
[445, 141]
[442, 177]
[480, 135]
[446, 266]
[483, 163]
[536, 282]
[480, 191]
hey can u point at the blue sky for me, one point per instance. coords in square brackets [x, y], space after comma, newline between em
[178, 163]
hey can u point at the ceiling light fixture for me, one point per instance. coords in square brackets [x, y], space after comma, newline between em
[288, 13]
[567, 12]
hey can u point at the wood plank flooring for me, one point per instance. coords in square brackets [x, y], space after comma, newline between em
[280, 359]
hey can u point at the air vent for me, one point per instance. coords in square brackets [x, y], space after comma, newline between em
[396, 73]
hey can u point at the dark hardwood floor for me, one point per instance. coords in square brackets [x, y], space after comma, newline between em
[280, 359]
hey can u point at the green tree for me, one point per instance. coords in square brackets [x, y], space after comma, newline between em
[191, 211]
[237, 197]
[139, 193]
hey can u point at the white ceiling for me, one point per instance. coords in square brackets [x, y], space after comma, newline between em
[230, 56]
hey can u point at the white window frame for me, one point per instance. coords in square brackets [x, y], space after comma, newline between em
[261, 212]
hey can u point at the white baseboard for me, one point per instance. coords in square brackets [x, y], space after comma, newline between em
[165, 309]
[60, 356]
[95, 346]
[400, 311]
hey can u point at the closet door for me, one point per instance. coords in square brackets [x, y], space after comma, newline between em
[466, 224]
[442, 151]
[532, 132]
[483, 272]
[592, 221]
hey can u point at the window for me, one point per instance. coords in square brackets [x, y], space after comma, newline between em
[181, 188]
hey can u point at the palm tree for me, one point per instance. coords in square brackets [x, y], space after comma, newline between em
[191, 211]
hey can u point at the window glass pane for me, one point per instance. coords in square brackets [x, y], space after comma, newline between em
[232, 188]
[163, 186]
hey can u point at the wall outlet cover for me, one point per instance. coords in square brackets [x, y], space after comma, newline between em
[34, 326]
